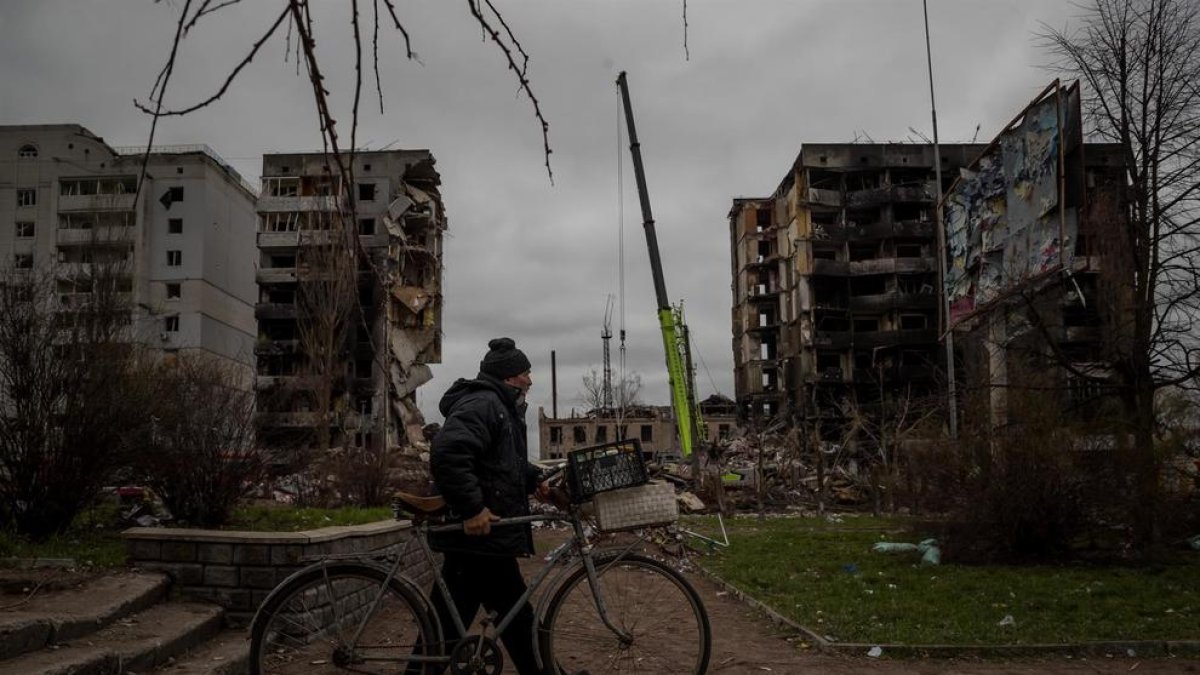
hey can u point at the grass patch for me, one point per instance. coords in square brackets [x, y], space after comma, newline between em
[282, 518]
[93, 541]
[825, 576]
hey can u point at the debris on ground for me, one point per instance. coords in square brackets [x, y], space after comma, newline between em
[689, 502]
[928, 548]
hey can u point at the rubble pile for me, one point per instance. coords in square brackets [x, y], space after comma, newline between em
[738, 472]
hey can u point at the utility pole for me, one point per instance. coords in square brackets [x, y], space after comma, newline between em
[948, 334]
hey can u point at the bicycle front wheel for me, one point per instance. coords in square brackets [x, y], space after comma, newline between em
[341, 619]
[663, 627]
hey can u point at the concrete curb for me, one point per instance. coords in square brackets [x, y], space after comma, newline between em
[1136, 648]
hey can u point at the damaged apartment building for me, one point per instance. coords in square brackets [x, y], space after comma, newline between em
[836, 292]
[835, 278]
[390, 319]
[178, 256]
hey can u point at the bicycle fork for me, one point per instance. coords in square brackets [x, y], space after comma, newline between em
[594, 582]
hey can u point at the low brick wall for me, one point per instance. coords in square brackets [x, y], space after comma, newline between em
[237, 570]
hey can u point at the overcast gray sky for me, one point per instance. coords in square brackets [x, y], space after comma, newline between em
[523, 257]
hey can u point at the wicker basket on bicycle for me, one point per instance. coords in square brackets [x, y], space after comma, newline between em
[613, 477]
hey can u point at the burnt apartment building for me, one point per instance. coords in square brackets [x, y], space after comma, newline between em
[835, 278]
[392, 326]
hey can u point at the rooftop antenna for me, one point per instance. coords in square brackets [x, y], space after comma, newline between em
[922, 136]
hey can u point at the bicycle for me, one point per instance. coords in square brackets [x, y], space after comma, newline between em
[606, 610]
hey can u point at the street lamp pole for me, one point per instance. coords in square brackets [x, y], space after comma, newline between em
[948, 334]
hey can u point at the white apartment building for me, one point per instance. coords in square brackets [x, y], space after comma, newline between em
[69, 200]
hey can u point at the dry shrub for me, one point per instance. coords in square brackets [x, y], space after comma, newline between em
[201, 457]
[1037, 489]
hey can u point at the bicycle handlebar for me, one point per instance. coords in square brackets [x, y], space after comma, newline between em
[506, 522]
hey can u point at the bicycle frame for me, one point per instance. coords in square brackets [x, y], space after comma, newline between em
[577, 544]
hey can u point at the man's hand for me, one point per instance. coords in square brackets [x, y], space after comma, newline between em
[480, 523]
[542, 493]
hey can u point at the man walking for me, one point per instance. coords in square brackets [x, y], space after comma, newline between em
[479, 465]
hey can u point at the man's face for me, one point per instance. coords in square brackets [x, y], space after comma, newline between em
[523, 381]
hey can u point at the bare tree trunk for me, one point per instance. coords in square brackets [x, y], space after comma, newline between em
[822, 495]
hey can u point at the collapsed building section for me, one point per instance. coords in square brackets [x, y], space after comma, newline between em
[350, 306]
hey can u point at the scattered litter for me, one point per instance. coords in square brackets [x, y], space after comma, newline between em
[1130, 653]
[1008, 620]
[875, 652]
[892, 547]
[1195, 542]
[928, 548]
[850, 568]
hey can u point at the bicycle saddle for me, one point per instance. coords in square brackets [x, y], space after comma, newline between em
[424, 505]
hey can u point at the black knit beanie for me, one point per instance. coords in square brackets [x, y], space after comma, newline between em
[503, 359]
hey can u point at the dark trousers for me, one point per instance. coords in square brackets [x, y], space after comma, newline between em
[496, 583]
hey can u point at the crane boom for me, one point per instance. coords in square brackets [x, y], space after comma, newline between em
[682, 397]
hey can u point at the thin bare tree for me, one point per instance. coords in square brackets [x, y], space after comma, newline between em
[1139, 61]
[626, 392]
[201, 456]
[326, 274]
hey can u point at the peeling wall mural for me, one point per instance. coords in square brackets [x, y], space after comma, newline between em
[1007, 223]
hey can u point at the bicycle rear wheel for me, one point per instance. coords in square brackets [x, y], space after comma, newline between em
[666, 625]
[309, 625]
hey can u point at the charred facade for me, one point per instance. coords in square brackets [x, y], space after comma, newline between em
[835, 278]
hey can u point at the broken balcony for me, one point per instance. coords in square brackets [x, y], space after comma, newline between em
[882, 302]
[313, 203]
[275, 310]
[824, 197]
[894, 338]
[112, 202]
[826, 267]
[891, 266]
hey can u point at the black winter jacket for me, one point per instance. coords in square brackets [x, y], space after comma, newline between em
[479, 460]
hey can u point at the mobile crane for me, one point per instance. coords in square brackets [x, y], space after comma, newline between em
[670, 319]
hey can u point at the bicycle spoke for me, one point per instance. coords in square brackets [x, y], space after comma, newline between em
[308, 629]
[660, 626]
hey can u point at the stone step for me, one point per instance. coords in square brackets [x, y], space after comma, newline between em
[135, 644]
[226, 654]
[64, 615]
